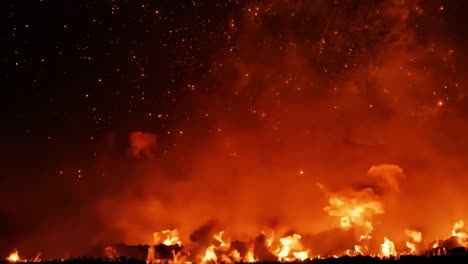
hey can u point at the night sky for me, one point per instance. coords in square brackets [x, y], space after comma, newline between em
[109, 106]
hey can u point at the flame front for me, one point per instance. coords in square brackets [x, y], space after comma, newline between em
[290, 248]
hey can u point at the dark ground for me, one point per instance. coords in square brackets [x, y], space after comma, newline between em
[137, 255]
[342, 260]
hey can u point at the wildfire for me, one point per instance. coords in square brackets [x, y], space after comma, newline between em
[288, 248]
[291, 245]
[110, 252]
[167, 237]
[219, 238]
[460, 234]
[249, 257]
[388, 248]
[210, 255]
[356, 210]
[221, 246]
[14, 256]
[416, 238]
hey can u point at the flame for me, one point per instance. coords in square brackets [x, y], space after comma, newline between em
[167, 237]
[460, 234]
[290, 248]
[222, 246]
[355, 208]
[210, 255]
[179, 258]
[219, 238]
[150, 256]
[110, 252]
[388, 248]
[291, 244]
[416, 238]
[14, 256]
[269, 238]
[235, 255]
[360, 249]
[249, 257]
[301, 255]
[38, 257]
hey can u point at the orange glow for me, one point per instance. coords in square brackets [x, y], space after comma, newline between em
[354, 208]
[37, 258]
[167, 237]
[460, 234]
[219, 238]
[415, 238]
[210, 255]
[388, 248]
[290, 249]
[321, 129]
[249, 257]
[14, 256]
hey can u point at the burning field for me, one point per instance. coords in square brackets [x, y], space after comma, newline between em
[353, 211]
[319, 131]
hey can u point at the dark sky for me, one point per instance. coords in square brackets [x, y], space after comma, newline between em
[79, 76]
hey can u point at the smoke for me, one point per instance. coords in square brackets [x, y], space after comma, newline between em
[386, 177]
[142, 143]
[299, 95]
[314, 92]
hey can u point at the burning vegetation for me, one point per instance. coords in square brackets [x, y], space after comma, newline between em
[354, 212]
[262, 156]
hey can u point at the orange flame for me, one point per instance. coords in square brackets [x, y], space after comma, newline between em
[167, 237]
[460, 234]
[388, 248]
[416, 238]
[14, 256]
[210, 255]
[291, 244]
